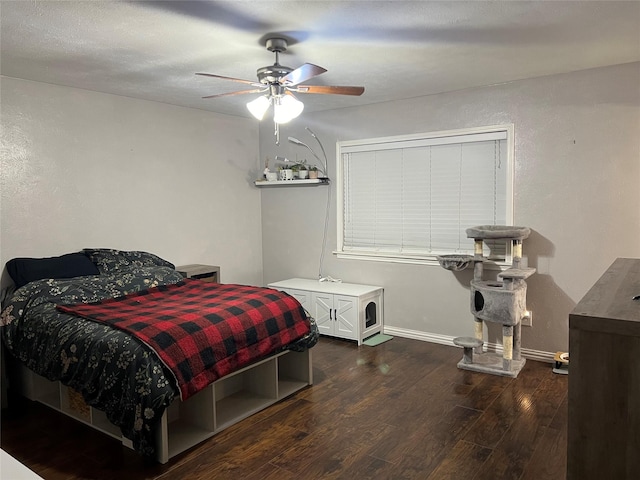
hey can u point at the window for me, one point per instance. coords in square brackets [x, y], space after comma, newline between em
[410, 198]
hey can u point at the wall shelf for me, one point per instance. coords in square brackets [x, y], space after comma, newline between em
[309, 182]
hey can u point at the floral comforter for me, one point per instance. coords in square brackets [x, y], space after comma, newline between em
[114, 372]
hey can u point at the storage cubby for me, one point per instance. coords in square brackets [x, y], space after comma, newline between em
[72, 403]
[46, 391]
[100, 421]
[245, 392]
[294, 370]
[186, 423]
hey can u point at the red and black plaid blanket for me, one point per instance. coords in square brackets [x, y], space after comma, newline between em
[203, 331]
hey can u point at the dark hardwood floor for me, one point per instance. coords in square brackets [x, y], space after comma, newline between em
[401, 410]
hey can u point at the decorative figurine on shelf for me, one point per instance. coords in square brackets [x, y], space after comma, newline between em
[265, 172]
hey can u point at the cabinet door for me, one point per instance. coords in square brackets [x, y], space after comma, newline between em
[346, 316]
[323, 312]
[302, 296]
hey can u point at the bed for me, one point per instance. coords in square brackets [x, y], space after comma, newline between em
[124, 334]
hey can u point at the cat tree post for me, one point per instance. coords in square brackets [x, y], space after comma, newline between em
[478, 260]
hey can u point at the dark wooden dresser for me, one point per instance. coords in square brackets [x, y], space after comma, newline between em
[604, 378]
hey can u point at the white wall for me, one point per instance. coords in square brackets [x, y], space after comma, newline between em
[577, 178]
[84, 169]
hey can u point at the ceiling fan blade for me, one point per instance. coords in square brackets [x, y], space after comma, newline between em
[332, 90]
[239, 92]
[248, 82]
[302, 74]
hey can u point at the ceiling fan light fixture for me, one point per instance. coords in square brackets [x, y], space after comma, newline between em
[286, 108]
[259, 106]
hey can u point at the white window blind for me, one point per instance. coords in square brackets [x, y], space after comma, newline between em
[415, 196]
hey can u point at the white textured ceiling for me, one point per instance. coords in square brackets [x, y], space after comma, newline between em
[395, 49]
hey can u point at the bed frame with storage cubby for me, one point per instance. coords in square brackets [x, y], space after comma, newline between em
[185, 424]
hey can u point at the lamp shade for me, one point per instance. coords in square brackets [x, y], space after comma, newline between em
[286, 108]
[259, 106]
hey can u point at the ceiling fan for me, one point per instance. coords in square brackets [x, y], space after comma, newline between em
[279, 83]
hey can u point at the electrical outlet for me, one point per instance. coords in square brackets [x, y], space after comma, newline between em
[527, 320]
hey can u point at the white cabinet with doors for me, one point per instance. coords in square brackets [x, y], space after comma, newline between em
[344, 310]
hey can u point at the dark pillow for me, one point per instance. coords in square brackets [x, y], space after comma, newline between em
[106, 260]
[25, 270]
[109, 260]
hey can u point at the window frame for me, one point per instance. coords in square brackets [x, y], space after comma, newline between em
[422, 259]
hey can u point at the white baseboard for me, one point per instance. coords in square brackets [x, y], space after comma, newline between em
[538, 355]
